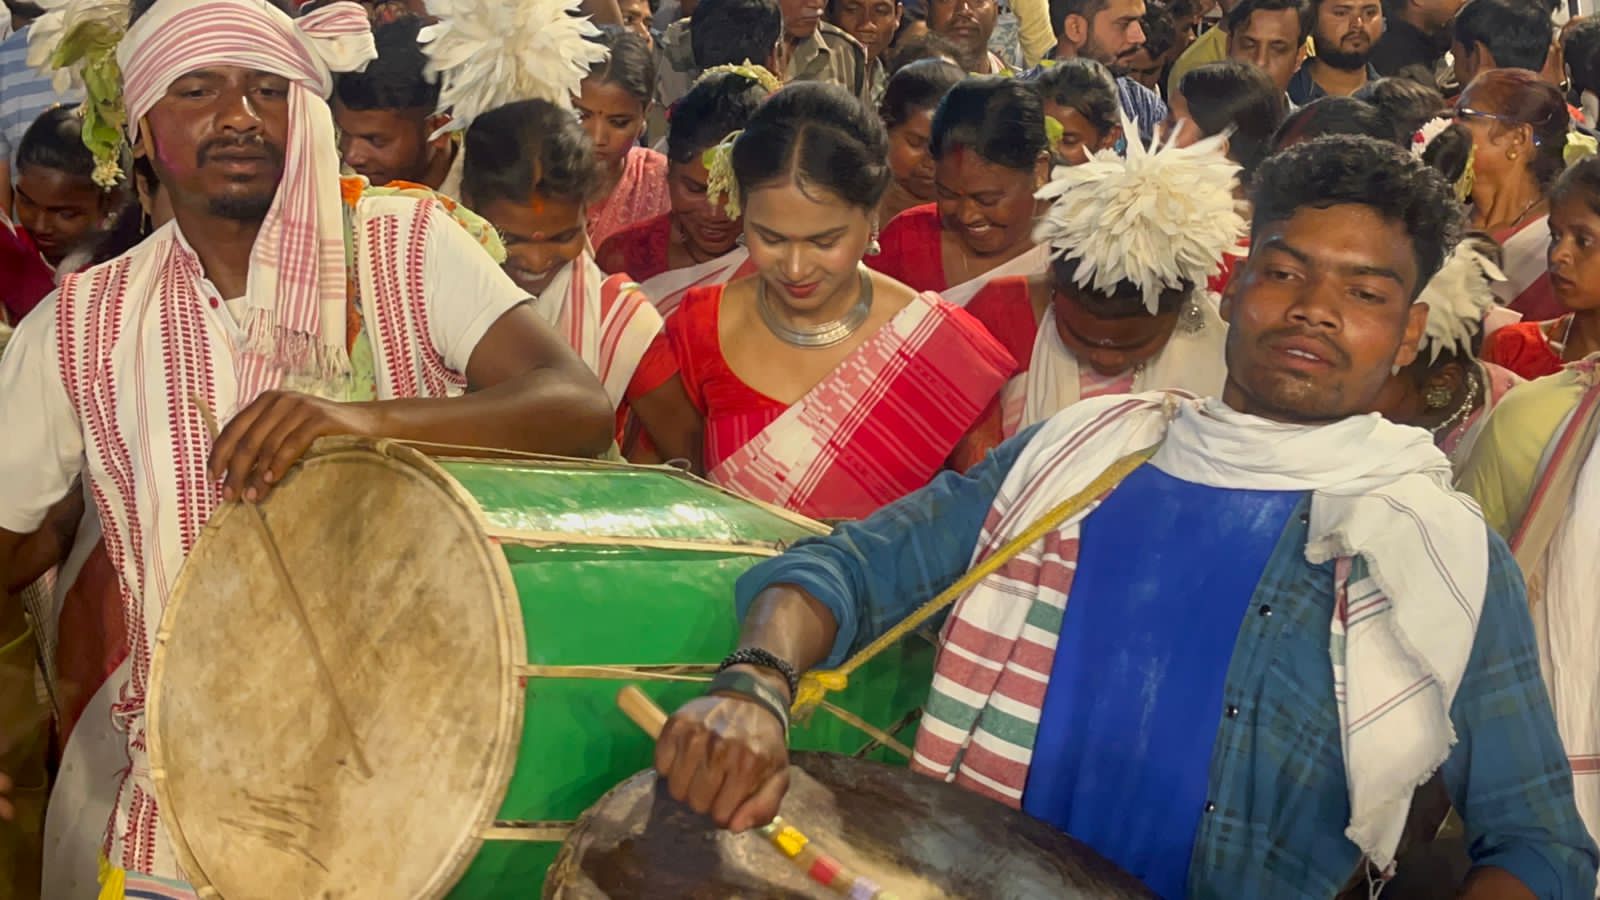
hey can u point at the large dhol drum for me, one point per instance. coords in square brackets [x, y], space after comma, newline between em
[914, 837]
[443, 709]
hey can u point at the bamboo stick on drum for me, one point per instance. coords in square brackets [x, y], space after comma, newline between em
[785, 838]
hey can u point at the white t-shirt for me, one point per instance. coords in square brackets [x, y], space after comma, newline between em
[42, 449]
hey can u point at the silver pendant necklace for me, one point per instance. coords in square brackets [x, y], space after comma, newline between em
[812, 337]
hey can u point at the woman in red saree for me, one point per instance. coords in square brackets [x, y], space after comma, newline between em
[612, 105]
[990, 154]
[1536, 349]
[695, 244]
[826, 388]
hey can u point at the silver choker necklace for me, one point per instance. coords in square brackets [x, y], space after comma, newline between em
[812, 337]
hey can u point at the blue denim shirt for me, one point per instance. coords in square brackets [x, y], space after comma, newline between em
[1274, 826]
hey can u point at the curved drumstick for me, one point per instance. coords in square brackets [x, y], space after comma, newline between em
[796, 847]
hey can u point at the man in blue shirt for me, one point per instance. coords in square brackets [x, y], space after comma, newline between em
[1108, 32]
[1278, 626]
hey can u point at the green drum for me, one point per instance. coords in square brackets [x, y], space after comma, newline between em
[399, 679]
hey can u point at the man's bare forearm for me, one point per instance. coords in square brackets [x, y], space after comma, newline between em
[542, 412]
[789, 623]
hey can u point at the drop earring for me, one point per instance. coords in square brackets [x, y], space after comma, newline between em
[873, 247]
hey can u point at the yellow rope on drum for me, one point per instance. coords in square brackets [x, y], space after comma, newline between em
[816, 685]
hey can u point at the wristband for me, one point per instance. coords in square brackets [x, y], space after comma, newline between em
[755, 656]
[746, 685]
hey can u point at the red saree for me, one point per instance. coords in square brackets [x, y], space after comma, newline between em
[638, 251]
[882, 425]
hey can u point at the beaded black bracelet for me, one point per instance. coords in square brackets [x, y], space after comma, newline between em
[755, 656]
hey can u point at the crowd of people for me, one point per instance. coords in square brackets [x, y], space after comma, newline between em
[944, 272]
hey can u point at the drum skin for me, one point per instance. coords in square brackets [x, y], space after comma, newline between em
[477, 618]
[917, 838]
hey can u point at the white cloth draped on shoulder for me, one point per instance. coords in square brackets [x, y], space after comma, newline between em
[1192, 361]
[1400, 660]
[667, 290]
[609, 321]
[1029, 264]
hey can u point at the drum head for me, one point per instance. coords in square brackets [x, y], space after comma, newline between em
[917, 838]
[415, 614]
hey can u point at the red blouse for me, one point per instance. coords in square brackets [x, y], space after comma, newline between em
[741, 410]
[911, 251]
[638, 251]
[1005, 307]
[1524, 349]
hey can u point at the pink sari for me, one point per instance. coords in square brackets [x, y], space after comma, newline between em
[639, 196]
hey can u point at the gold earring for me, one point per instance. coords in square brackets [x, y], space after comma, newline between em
[1511, 154]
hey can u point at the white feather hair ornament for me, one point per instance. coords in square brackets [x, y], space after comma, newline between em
[493, 52]
[1459, 295]
[1160, 217]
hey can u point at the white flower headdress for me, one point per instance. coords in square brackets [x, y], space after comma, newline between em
[75, 42]
[1459, 295]
[1160, 217]
[493, 52]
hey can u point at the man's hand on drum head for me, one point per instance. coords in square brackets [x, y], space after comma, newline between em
[267, 437]
[725, 757]
[7, 811]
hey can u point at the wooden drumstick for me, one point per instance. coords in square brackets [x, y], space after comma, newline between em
[298, 608]
[795, 847]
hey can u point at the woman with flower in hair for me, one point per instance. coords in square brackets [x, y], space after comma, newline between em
[824, 387]
[990, 154]
[1124, 307]
[1448, 390]
[694, 244]
[612, 104]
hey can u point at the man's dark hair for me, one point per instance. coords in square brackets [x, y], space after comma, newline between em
[1125, 300]
[1060, 9]
[1239, 17]
[527, 147]
[1334, 115]
[1160, 31]
[1407, 104]
[1240, 99]
[394, 80]
[1348, 169]
[1581, 46]
[917, 49]
[1516, 32]
[728, 32]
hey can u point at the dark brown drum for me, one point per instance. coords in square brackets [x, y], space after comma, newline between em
[917, 838]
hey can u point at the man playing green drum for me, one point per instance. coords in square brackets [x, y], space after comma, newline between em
[1278, 626]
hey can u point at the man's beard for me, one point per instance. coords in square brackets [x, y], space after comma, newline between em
[1339, 59]
[242, 209]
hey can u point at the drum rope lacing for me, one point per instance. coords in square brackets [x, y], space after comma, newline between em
[816, 685]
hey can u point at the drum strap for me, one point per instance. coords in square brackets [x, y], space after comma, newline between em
[816, 685]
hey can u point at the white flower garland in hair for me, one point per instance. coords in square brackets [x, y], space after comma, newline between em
[1160, 218]
[722, 188]
[759, 74]
[494, 52]
[1459, 295]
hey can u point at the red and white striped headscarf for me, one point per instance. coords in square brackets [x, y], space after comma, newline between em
[296, 290]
